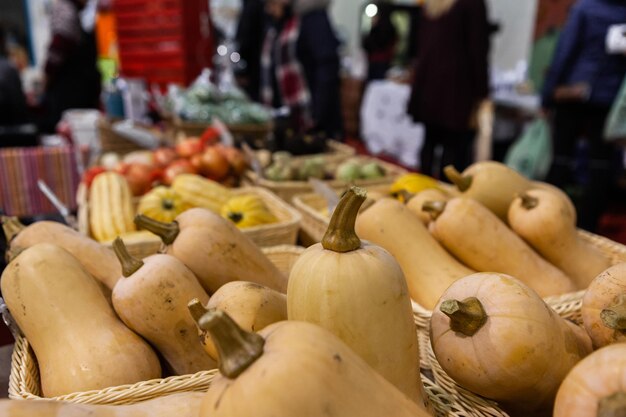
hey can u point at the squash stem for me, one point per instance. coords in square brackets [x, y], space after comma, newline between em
[340, 235]
[466, 317]
[405, 196]
[237, 349]
[614, 317]
[528, 202]
[434, 208]
[462, 182]
[11, 227]
[613, 405]
[130, 264]
[166, 231]
[196, 309]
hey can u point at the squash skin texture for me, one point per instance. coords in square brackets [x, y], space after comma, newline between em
[550, 228]
[79, 342]
[519, 356]
[360, 296]
[217, 252]
[252, 306]
[602, 293]
[428, 268]
[97, 259]
[184, 404]
[153, 302]
[479, 239]
[599, 375]
[306, 371]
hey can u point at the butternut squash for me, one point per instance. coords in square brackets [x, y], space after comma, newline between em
[252, 306]
[97, 259]
[428, 268]
[497, 338]
[257, 375]
[481, 240]
[215, 250]
[544, 220]
[79, 342]
[416, 202]
[595, 387]
[357, 291]
[495, 185]
[151, 300]
[604, 307]
[184, 404]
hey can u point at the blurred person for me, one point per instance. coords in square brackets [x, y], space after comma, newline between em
[581, 84]
[72, 79]
[15, 127]
[249, 39]
[450, 80]
[380, 43]
[300, 65]
[13, 108]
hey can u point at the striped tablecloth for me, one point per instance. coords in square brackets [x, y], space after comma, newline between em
[20, 168]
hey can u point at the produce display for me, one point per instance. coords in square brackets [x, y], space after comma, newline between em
[203, 101]
[331, 332]
[285, 167]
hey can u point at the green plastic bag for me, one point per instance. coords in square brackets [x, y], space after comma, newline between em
[615, 127]
[531, 154]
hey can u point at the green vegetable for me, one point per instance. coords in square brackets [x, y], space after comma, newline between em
[372, 170]
[348, 171]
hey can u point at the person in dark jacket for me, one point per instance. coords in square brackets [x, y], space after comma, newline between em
[300, 65]
[249, 41]
[450, 80]
[72, 78]
[581, 84]
[380, 43]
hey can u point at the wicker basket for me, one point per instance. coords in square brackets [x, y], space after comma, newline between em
[258, 133]
[24, 381]
[110, 141]
[287, 190]
[283, 232]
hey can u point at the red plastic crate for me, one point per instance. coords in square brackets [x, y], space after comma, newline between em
[164, 41]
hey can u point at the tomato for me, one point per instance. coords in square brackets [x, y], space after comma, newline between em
[91, 173]
[180, 166]
[140, 177]
[164, 156]
[188, 147]
[214, 165]
[236, 159]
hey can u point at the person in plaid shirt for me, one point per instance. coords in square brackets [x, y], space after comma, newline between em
[300, 65]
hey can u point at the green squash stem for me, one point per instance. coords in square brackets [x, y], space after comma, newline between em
[196, 309]
[130, 264]
[11, 227]
[434, 208]
[614, 317]
[462, 182]
[613, 405]
[237, 349]
[466, 317]
[529, 202]
[340, 235]
[166, 231]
